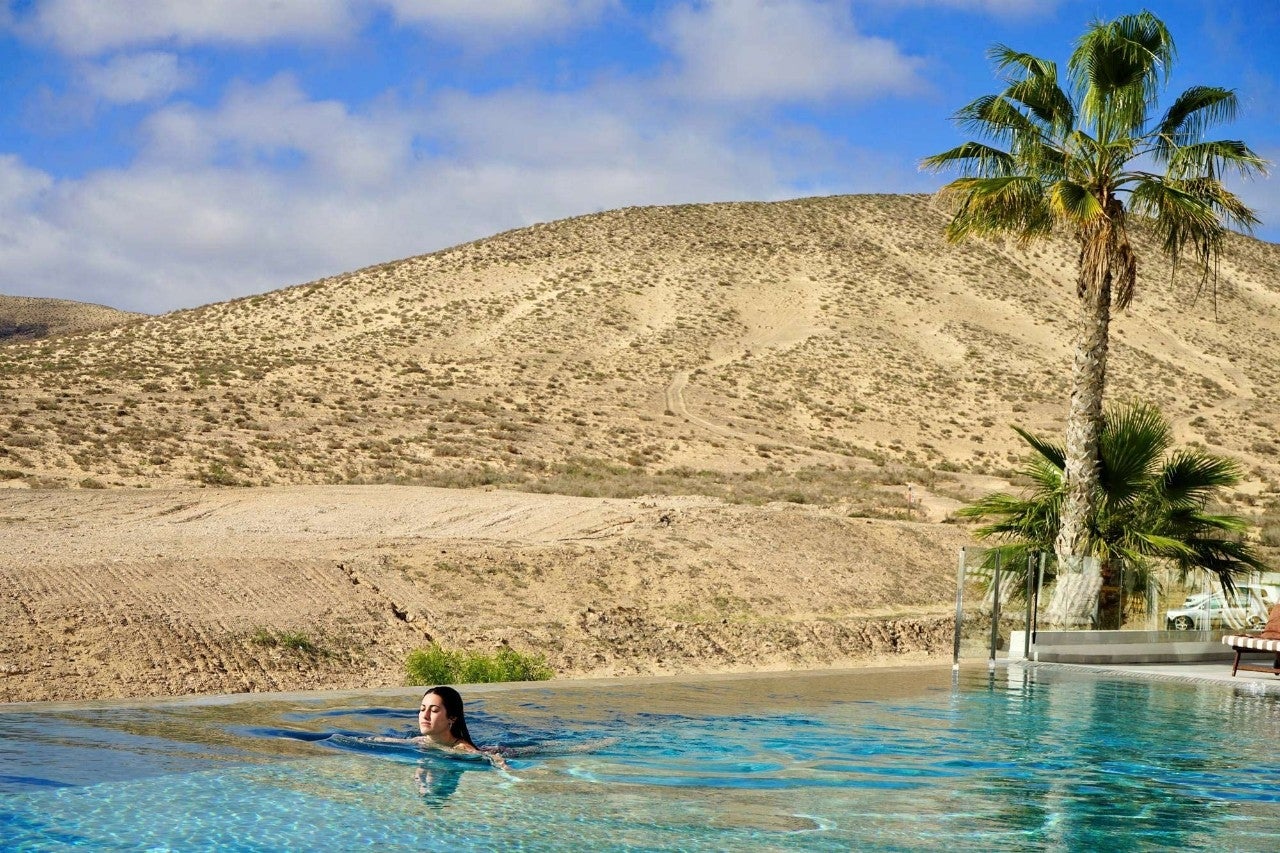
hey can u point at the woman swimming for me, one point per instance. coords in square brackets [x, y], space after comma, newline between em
[442, 723]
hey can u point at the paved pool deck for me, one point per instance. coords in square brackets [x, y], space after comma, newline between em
[1197, 673]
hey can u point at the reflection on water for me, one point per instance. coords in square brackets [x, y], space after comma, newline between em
[1022, 758]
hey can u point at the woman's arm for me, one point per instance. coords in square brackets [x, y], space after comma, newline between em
[489, 752]
[385, 739]
[495, 757]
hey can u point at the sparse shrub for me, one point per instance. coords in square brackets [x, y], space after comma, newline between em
[216, 474]
[436, 665]
[1270, 534]
[91, 483]
[294, 641]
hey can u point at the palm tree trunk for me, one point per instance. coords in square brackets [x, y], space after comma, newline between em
[1110, 599]
[1075, 598]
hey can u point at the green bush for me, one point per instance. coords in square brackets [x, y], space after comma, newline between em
[294, 641]
[434, 665]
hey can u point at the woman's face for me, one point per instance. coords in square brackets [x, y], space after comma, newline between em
[432, 721]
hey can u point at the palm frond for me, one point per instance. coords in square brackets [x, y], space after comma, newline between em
[1131, 446]
[1225, 558]
[1190, 479]
[1169, 547]
[996, 117]
[1232, 212]
[1191, 114]
[1074, 203]
[1014, 203]
[972, 159]
[1051, 451]
[1044, 473]
[1044, 100]
[1181, 214]
[1019, 65]
[1214, 159]
[1117, 68]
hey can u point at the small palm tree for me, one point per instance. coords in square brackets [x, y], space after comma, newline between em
[1152, 508]
[1081, 155]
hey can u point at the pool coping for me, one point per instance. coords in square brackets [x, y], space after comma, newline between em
[604, 682]
[1186, 673]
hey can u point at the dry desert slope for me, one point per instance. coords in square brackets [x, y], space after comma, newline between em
[676, 439]
[148, 592]
[29, 317]
[730, 337]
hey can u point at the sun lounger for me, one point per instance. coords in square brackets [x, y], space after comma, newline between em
[1267, 641]
[1241, 643]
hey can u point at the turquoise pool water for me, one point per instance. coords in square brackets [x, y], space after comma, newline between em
[1024, 759]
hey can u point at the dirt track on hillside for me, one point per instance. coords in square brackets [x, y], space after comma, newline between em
[155, 592]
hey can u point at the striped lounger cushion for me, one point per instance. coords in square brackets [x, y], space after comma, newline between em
[1257, 644]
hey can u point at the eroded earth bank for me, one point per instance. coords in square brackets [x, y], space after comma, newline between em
[130, 593]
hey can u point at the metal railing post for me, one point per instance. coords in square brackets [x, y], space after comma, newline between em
[995, 614]
[955, 651]
[1026, 637]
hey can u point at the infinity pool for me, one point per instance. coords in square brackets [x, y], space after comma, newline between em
[1024, 759]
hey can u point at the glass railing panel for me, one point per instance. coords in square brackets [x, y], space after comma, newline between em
[1016, 603]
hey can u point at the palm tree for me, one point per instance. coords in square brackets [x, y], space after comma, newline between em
[1152, 507]
[1082, 156]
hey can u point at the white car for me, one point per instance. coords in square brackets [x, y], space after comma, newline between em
[1247, 610]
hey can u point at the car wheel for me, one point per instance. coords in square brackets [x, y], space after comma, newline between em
[1183, 623]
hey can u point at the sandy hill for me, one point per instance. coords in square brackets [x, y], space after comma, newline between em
[758, 340]
[734, 402]
[29, 317]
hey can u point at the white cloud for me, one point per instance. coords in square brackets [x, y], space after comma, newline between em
[19, 185]
[269, 187]
[137, 78]
[497, 18]
[996, 8]
[776, 50]
[586, 152]
[30, 246]
[93, 27]
[276, 126]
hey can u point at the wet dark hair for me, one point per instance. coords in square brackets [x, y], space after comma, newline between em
[452, 702]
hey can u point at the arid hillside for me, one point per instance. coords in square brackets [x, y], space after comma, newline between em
[24, 318]
[139, 592]
[747, 423]
[797, 350]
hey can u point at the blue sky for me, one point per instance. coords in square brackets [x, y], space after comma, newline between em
[162, 154]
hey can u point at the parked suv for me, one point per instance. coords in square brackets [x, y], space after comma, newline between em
[1246, 610]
